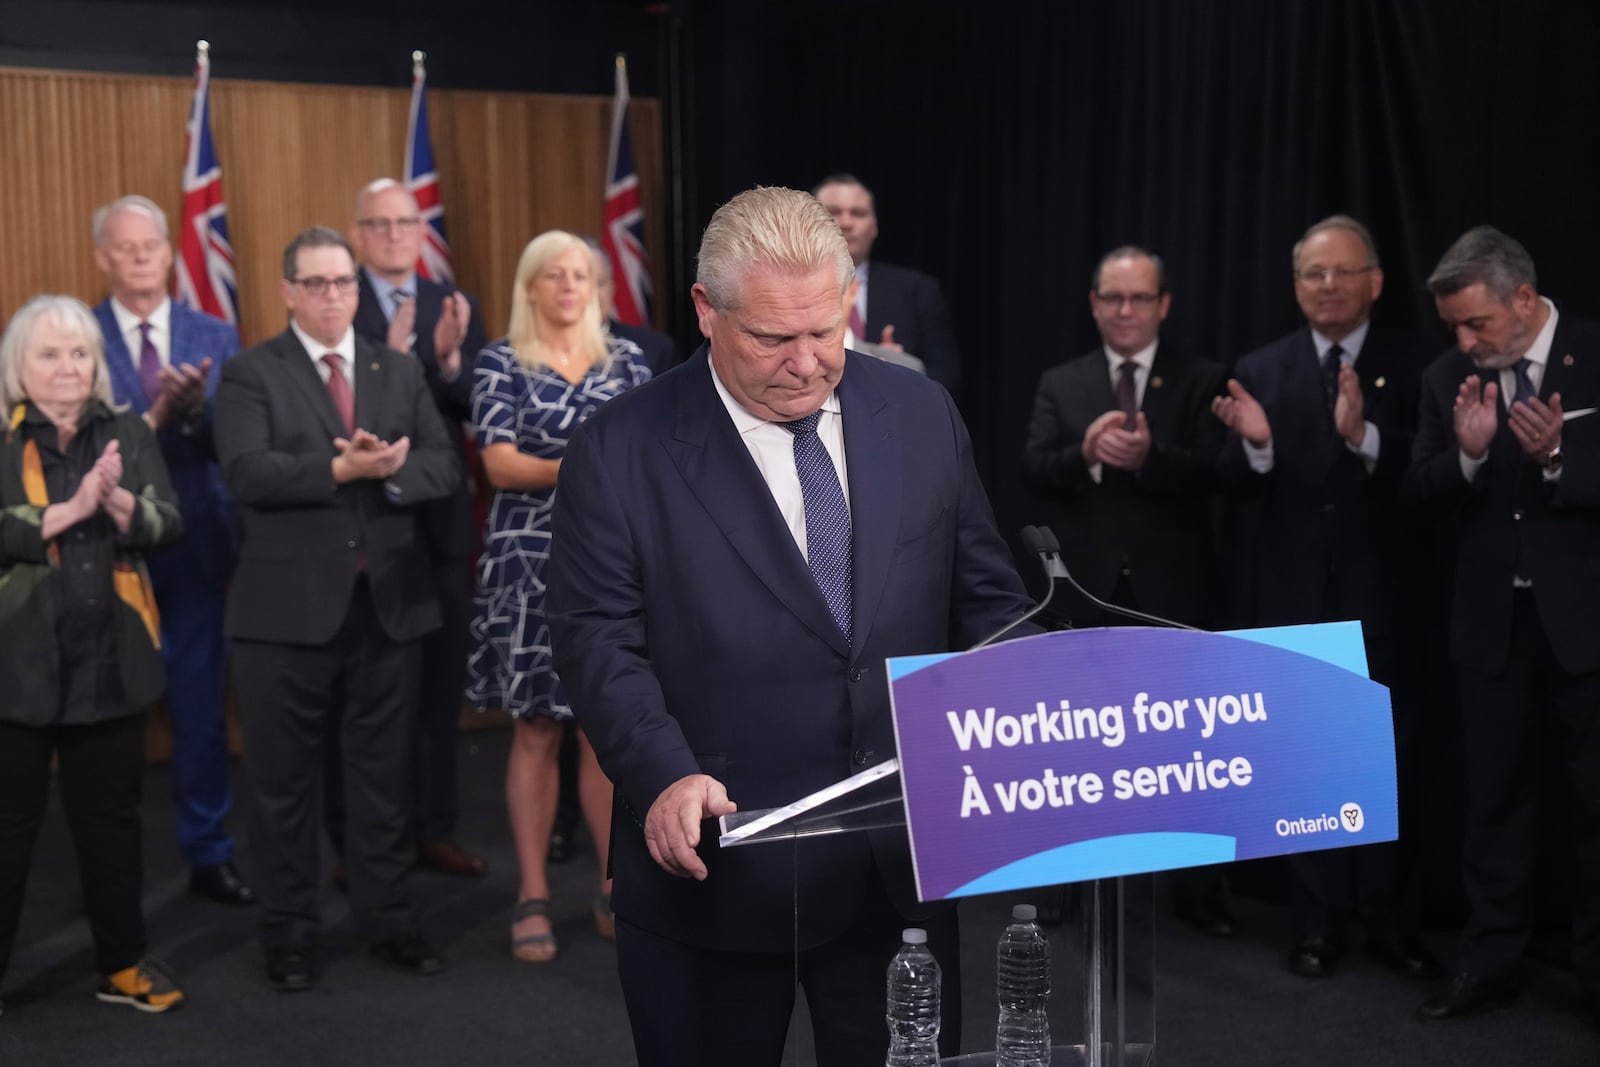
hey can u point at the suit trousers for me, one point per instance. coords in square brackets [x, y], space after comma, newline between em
[443, 679]
[102, 776]
[1510, 721]
[194, 651]
[287, 696]
[694, 1007]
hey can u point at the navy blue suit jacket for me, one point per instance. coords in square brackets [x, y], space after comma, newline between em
[206, 552]
[692, 638]
[1319, 522]
[910, 301]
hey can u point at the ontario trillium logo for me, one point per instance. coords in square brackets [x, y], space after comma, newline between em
[1352, 818]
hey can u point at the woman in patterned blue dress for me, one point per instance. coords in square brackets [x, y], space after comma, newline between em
[529, 392]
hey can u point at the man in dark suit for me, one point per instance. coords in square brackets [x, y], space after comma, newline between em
[330, 444]
[1122, 439]
[895, 307]
[737, 548]
[660, 351]
[1322, 422]
[1508, 453]
[164, 361]
[441, 327]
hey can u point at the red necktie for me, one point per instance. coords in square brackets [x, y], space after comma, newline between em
[149, 364]
[339, 389]
[857, 327]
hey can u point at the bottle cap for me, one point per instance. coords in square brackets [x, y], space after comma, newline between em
[1024, 913]
[914, 935]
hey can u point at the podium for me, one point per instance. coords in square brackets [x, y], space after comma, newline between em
[1088, 757]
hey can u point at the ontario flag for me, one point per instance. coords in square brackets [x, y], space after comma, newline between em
[422, 178]
[623, 236]
[204, 278]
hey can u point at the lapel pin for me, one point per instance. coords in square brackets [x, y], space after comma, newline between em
[374, 364]
[1379, 383]
[1567, 360]
[1155, 382]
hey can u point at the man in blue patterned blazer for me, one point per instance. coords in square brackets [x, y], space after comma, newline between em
[165, 360]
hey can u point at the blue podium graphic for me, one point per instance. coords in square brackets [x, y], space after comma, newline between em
[1091, 754]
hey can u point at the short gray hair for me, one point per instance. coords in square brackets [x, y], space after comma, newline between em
[1130, 252]
[769, 228]
[312, 237]
[372, 189]
[1484, 255]
[1347, 223]
[67, 313]
[140, 205]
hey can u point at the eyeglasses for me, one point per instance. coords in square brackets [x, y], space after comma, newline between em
[131, 249]
[1316, 275]
[1140, 301]
[388, 226]
[344, 285]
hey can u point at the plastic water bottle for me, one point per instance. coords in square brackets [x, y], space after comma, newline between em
[913, 1004]
[1022, 985]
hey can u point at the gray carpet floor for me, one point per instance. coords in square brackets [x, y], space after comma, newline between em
[1216, 1002]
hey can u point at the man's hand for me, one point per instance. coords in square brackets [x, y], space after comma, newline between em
[1537, 425]
[672, 827]
[450, 331]
[403, 326]
[1477, 414]
[1241, 413]
[888, 341]
[1096, 431]
[1349, 408]
[365, 456]
[1127, 449]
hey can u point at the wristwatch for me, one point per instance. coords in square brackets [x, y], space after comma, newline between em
[1552, 460]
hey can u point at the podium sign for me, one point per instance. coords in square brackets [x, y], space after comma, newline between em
[1092, 754]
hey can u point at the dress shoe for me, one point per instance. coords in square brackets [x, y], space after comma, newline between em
[1469, 994]
[221, 882]
[1207, 916]
[1406, 956]
[410, 952]
[1315, 956]
[290, 970]
[448, 857]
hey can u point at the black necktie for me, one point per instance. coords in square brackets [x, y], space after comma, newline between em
[1525, 389]
[1330, 374]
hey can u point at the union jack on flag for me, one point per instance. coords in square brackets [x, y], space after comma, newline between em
[422, 179]
[204, 278]
[623, 235]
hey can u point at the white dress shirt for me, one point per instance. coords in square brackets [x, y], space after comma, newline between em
[160, 330]
[1537, 355]
[1143, 360]
[345, 350]
[772, 448]
[1261, 460]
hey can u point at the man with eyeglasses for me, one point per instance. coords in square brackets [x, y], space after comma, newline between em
[330, 444]
[442, 328]
[1123, 442]
[1321, 424]
[165, 360]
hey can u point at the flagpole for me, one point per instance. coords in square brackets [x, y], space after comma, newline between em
[416, 63]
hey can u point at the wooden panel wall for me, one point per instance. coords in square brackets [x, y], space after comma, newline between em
[510, 165]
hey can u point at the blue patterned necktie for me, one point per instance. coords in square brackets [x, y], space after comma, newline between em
[828, 548]
[1525, 389]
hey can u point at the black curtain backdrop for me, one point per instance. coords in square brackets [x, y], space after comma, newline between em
[1011, 144]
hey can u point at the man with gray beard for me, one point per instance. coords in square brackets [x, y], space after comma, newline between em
[1508, 451]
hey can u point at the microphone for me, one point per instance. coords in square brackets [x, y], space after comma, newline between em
[1033, 542]
[1049, 551]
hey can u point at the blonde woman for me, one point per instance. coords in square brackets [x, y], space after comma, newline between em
[530, 392]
